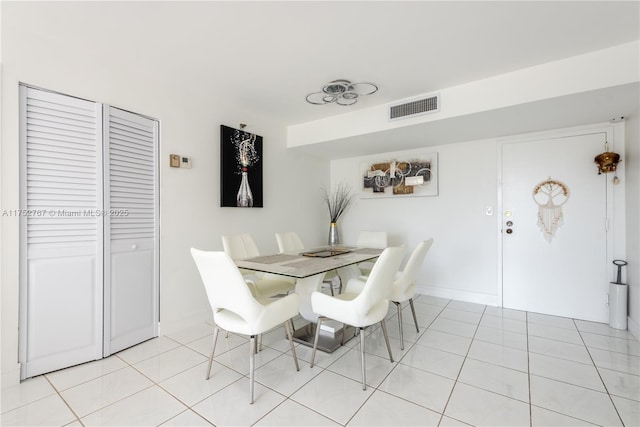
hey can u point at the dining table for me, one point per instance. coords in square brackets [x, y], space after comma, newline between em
[309, 268]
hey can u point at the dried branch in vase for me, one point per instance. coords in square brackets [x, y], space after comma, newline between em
[338, 200]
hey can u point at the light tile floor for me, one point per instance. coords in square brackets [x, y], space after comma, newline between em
[470, 364]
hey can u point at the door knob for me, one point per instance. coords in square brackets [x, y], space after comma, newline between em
[509, 231]
[134, 246]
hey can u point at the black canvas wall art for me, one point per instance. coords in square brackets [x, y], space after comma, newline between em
[240, 168]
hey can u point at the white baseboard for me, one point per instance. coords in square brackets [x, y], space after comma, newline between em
[458, 295]
[634, 327]
[10, 377]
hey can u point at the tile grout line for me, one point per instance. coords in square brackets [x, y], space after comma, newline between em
[65, 402]
[444, 409]
[600, 376]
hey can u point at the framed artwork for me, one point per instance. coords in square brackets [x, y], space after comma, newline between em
[240, 168]
[411, 177]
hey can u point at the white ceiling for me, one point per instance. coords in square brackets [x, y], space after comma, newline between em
[267, 56]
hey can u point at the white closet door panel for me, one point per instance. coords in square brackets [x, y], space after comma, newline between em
[132, 304]
[61, 241]
[64, 307]
[131, 285]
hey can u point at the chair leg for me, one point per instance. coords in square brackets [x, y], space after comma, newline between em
[399, 308]
[386, 339]
[331, 288]
[215, 339]
[362, 365]
[293, 348]
[252, 363]
[315, 340]
[413, 311]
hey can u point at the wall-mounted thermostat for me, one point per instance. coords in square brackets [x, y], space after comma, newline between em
[178, 161]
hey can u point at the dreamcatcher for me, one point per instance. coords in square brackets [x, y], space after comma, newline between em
[550, 195]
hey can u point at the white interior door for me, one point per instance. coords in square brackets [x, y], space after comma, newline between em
[61, 237]
[567, 274]
[131, 230]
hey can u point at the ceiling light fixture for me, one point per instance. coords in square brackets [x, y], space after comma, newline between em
[342, 92]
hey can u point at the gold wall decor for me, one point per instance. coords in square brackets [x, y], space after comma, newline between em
[607, 162]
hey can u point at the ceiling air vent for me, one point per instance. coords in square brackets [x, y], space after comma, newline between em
[423, 105]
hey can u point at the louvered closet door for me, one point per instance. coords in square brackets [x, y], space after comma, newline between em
[61, 235]
[131, 229]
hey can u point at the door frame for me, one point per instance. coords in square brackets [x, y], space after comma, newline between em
[616, 236]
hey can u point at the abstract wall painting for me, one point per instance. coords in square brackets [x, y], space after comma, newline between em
[240, 168]
[412, 177]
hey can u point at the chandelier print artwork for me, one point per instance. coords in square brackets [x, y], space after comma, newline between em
[241, 168]
[550, 195]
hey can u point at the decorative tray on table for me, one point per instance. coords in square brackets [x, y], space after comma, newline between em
[326, 252]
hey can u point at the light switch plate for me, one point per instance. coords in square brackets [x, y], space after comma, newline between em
[185, 162]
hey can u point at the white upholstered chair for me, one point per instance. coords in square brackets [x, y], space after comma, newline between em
[265, 285]
[370, 239]
[289, 241]
[236, 310]
[363, 309]
[404, 287]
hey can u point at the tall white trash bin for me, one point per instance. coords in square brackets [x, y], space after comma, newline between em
[618, 299]
[618, 306]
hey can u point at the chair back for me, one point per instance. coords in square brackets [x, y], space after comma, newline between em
[372, 239]
[410, 272]
[240, 246]
[404, 286]
[225, 286]
[378, 285]
[289, 241]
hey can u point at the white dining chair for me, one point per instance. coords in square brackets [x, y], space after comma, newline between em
[290, 241]
[404, 287]
[242, 246]
[370, 239]
[363, 309]
[236, 310]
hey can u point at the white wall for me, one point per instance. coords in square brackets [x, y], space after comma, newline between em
[463, 261]
[189, 199]
[631, 158]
